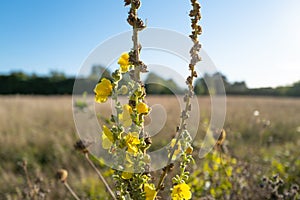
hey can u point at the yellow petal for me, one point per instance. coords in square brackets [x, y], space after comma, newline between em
[125, 117]
[181, 191]
[124, 62]
[132, 141]
[127, 175]
[100, 98]
[124, 68]
[106, 143]
[106, 131]
[142, 108]
[102, 90]
[150, 191]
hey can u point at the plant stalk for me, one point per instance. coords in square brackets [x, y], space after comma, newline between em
[194, 59]
[100, 177]
[71, 191]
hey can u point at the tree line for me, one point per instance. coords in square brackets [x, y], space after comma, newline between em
[210, 83]
[57, 83]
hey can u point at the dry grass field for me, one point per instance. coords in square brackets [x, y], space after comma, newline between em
[41, 130]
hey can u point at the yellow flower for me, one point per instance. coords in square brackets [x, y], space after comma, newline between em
[125, 117]
[106, 131]
[107, 138]
[124, 62]
[181, 192]
[103, 90]
[132, 140]
[177, 150]
[106, 143]
[150, 191]
[189, 150]
[126, 175]
[142, 108]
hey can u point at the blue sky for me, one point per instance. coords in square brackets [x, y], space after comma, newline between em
[256, 41]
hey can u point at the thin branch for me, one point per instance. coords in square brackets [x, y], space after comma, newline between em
[24, 166]
[70, 190]
[100, 176]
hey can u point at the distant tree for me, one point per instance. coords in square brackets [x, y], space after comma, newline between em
[18, 76]
[59, 83]
[98, 72]
[237, 88]
[294, 90]
[57, 76]
[200, 87]
[157, 85]
[211, 84]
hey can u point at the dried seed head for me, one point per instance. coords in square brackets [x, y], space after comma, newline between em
[62, 175]
[295, 187]
[171, 166]
[127, 2]
[24, 163]
[136, 3]
[143, 68]
[189, 150]
[148, 141]
[162, 187]
[130, 19]
[189, 80]
[132, 103]
[264, 179]
[82, 145]
[195, 74]
[275, 177]
[221, 137]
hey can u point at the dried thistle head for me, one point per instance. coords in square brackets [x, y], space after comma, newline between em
[82, 145]
[62, 175]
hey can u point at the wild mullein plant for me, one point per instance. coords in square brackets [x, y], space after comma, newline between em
[125, 139]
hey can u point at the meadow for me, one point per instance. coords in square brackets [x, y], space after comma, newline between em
[262, 141]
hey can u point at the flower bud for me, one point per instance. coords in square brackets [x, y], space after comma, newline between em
[117, 75]
[123, 90]
[189, 150]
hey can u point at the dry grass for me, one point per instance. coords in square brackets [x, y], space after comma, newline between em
[42, 130]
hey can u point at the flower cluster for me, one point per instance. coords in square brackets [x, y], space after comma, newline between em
[125, 139]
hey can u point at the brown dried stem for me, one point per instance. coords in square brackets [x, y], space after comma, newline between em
[71, 190]
[24, 166]
[82, 146]
[100, 176]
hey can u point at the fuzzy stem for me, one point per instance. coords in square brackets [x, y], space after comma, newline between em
[70, 190]
[165, 173]
[194, 59]
[100, 176]
[135, 39]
